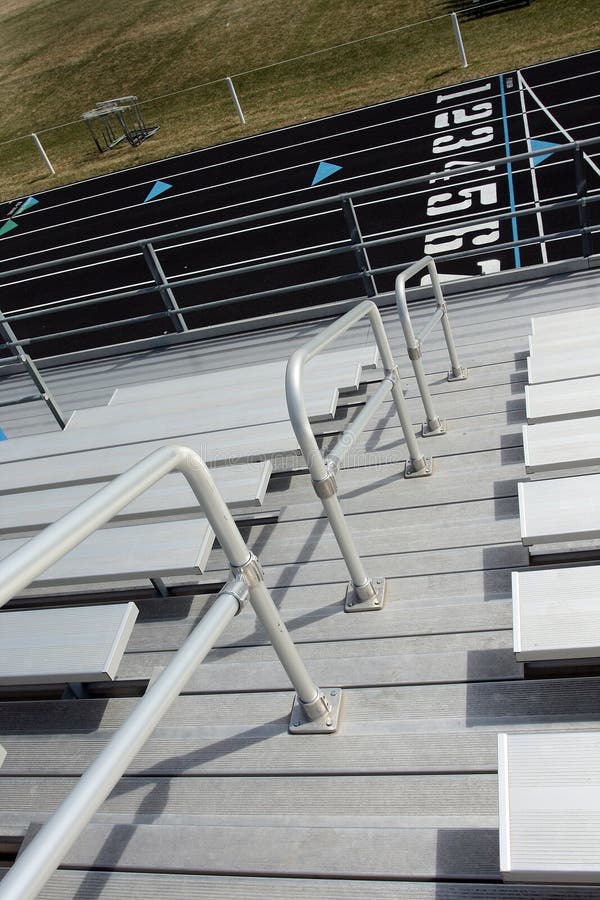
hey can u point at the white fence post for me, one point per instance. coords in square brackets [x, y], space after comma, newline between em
[236, 102]
[459, 41]
[43, 153]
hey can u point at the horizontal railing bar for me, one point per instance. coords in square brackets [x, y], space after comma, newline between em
[197, 307]
[348, 439]
[28, 398]
[182, 282]
[298, 207]
[366, 244]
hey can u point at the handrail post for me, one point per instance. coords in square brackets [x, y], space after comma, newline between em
[7, 333]
[166, 293]
[434, 425]
[581, 191]
[360, 252]
[363, 592]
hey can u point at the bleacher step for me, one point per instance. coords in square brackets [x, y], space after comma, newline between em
[560, 509]
[551, 401]
[549, 788]
[557, 613]
[570, 444]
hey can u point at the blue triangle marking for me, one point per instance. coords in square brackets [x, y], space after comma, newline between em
[158, 188]
[8, 226]
[25, 205]
[542, 145]
[324, 170]
[2, 436]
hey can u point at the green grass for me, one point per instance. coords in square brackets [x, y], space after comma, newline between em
[58, 57]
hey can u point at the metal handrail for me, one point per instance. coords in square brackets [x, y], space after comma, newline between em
[363, 593]
[313, 709]
[434, 424]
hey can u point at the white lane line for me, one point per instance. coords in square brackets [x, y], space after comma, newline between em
[555, 121]
[534, 183]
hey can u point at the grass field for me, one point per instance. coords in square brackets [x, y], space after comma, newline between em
[58, 57]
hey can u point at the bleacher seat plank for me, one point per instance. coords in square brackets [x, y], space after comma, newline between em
[78, 458]
[569, 444]
[138, 439]
[385, 662]
[237, 398]
[156, 550]
[243, 407]
[475, 704]
[77, 644]
[558, 324]
[290, 850]
[549, 787]
[556, 613]
[560, 509]
[552, 401]
[336, 368]
[564, 342]
[557, 366]
[240, 486]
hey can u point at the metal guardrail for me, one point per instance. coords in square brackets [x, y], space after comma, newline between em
[363, 593]
[434, 424]
[314, 710]
[345, 203]
[356, 245]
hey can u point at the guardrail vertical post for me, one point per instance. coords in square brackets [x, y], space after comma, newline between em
[34, 373]
[581, 190]
[167, 295]
[42, 153]
[360, 252]
[236, 102]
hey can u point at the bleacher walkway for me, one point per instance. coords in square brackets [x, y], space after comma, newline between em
[402, 802]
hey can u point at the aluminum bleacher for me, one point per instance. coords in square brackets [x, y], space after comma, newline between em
[428, 682]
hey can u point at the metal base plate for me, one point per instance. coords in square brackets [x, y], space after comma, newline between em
[462, 376]
[300, 724]
[426, 431]
[411, 472]
[353, 604]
